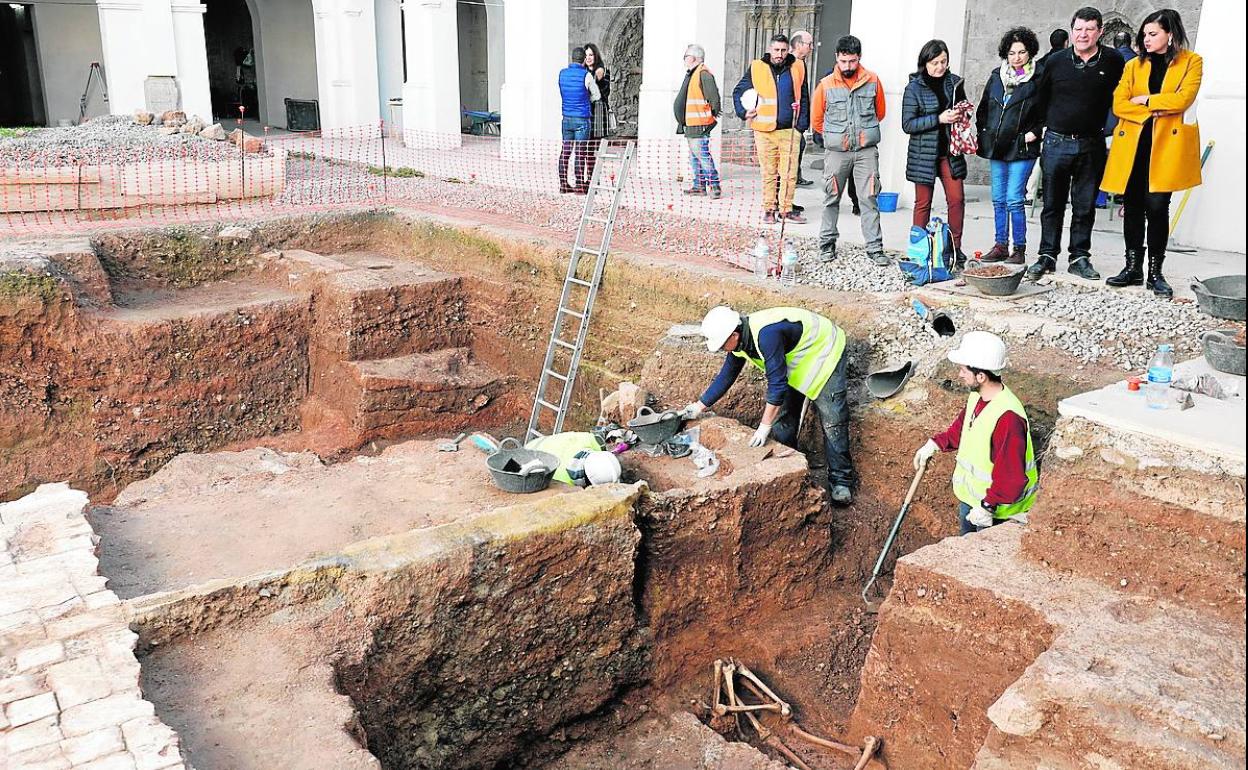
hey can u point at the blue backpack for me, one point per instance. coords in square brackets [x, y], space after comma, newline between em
[928, 255]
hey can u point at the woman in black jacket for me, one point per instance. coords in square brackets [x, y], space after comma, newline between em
[599, 122]
[1009, 120]
[926, 115]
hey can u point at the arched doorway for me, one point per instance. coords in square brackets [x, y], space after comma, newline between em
[623, 54]
[21, 87]
[233, 64]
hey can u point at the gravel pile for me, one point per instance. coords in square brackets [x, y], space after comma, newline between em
[898, 334]
[1123, 328]
[108, 139]
[850, 271]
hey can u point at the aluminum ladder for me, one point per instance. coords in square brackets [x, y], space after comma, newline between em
[610, 175]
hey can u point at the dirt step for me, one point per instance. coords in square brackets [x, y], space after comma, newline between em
[983, 659]
[441, 392]
[379, 307]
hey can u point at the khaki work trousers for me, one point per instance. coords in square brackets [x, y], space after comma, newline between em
[777, 161]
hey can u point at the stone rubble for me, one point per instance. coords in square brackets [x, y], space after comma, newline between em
[69, 681]
[116, 139]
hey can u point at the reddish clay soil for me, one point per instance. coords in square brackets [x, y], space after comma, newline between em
[228, 515]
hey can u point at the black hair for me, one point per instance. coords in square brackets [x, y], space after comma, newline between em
[1019, 35]
[849, 45]
[1169, 21]
[932, 49]
[779, 38]
[1122, 39]
[578, 55]
[1088, 13]
[992, 376]
[1058, 39]
[598, 60]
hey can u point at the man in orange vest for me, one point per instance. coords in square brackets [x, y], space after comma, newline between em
[775, 88]
[697, 110]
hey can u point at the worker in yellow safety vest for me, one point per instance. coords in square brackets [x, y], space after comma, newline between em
[995, 478]
[802, 355]
[582, 460]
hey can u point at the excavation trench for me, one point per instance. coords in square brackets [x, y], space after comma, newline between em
[316, 585]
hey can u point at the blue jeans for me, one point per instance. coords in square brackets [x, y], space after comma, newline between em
[575, 142]
[832, 405]
[1009, 189]
[1072, 169]
[704, 173]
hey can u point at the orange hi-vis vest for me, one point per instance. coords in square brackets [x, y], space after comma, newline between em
[697, 108]
[765, 86]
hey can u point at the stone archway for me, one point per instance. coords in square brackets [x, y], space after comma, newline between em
[1115, 23]
[625, 35]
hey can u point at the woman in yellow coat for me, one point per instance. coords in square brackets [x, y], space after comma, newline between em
[1155, 151]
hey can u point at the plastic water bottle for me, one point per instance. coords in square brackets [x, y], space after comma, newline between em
[762, 256]
[788, 264]
[1160, 372]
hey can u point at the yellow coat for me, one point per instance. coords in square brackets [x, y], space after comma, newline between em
[1175, 163]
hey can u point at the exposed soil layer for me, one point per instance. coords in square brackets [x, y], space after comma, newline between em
[227, 515]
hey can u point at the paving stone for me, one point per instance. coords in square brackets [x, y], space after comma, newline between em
[121, 761]
[37, 657]
[17, 621]
[78, 681]
[27, 710]
[153, 743]
[101, 599]
[79, 623]
[20, 686]
[31, 592]
[94, 745]
[29, 736]
[46, 757]
[105, 712]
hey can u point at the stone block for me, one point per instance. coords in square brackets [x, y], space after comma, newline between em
[106, 712]
[94, 745]
[46, 757]
[29, 736]
[16, 622]
[153, 744]
[27, 710]
[121, 761]
[214, 132]
[17, 687]
[78, 681]
[37, 657]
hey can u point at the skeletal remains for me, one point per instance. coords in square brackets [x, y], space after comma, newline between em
[727, 702]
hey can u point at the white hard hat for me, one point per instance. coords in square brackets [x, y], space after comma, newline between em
[602, 468]
[718, 325]
[749, 99]
[980, 350]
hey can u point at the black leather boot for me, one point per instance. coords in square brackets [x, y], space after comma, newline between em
[1132, 274]
[1156, 282]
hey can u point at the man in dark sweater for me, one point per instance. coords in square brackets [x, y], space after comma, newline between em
[697, 109]
[1076, 92]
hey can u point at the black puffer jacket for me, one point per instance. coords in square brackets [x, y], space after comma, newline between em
[1002, 127]
[920, 118]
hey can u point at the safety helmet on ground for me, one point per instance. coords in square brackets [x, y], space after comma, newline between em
[718, 325]
[602, 468]
[980, 350]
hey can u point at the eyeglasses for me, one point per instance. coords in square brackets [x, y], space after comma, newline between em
[1090, 63]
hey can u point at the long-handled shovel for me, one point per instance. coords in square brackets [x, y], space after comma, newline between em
[874, 605]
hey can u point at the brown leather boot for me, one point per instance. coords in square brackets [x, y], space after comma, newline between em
[1018, 256]
[998, 253]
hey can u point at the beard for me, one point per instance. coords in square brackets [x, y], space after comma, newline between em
[849, 73]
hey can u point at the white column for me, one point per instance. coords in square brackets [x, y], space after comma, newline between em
[192, 58]
[389, 22]
[536, 48]
[131, 53]
[346, 66]
[1214, 216]
[668, 28]
[431, 93]
[892, 34]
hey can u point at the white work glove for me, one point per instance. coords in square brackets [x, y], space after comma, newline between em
[925, 453]
[693, 411]
[979, 517]
[760, 436]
